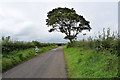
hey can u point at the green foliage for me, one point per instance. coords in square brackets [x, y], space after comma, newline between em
[17, 45]
[103, 42]
[9, 46]
[94, 58]
[6, 40]
[15, 52]
[86, 63]
[67, 21]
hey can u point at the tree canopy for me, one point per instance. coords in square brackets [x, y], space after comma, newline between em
[67, 21]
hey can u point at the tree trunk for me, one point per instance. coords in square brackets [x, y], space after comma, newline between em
[71, 41]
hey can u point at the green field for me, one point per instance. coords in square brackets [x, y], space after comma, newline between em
[87, 63]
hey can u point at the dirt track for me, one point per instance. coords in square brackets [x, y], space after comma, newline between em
[47, 65]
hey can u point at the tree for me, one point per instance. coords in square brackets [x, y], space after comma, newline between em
[67, 21]
[7, 39]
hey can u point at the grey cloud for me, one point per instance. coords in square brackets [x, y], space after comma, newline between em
[36, 13]
[27, 33]
[33, 32]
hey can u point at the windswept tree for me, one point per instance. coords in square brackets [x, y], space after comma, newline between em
[67, 21]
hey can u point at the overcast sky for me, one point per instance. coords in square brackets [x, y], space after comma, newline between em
[27, 20]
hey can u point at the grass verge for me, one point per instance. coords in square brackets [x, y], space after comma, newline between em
[16, 57]
[88, 63]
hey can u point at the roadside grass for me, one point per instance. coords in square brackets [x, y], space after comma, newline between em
[16, 57]
[88, 63]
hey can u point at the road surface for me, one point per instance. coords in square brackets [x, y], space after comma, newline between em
[47, 65]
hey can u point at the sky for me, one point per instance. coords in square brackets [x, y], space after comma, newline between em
[26, 21]
[119, 18]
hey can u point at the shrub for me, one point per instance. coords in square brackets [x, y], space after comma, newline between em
[103, 42]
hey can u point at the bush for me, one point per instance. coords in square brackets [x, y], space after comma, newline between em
[103, 42]
[9, 46]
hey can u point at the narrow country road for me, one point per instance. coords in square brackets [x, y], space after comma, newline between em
[47, 65]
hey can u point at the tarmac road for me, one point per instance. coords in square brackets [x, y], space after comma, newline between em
[47, 65]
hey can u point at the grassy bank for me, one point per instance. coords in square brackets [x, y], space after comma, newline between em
[17, 57]
[87, 63]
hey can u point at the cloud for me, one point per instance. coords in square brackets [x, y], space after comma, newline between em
[26, 21]
[27, 33]
[59, 1]
[12, 20]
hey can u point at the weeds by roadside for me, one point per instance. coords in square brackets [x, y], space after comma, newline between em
[94, 58]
